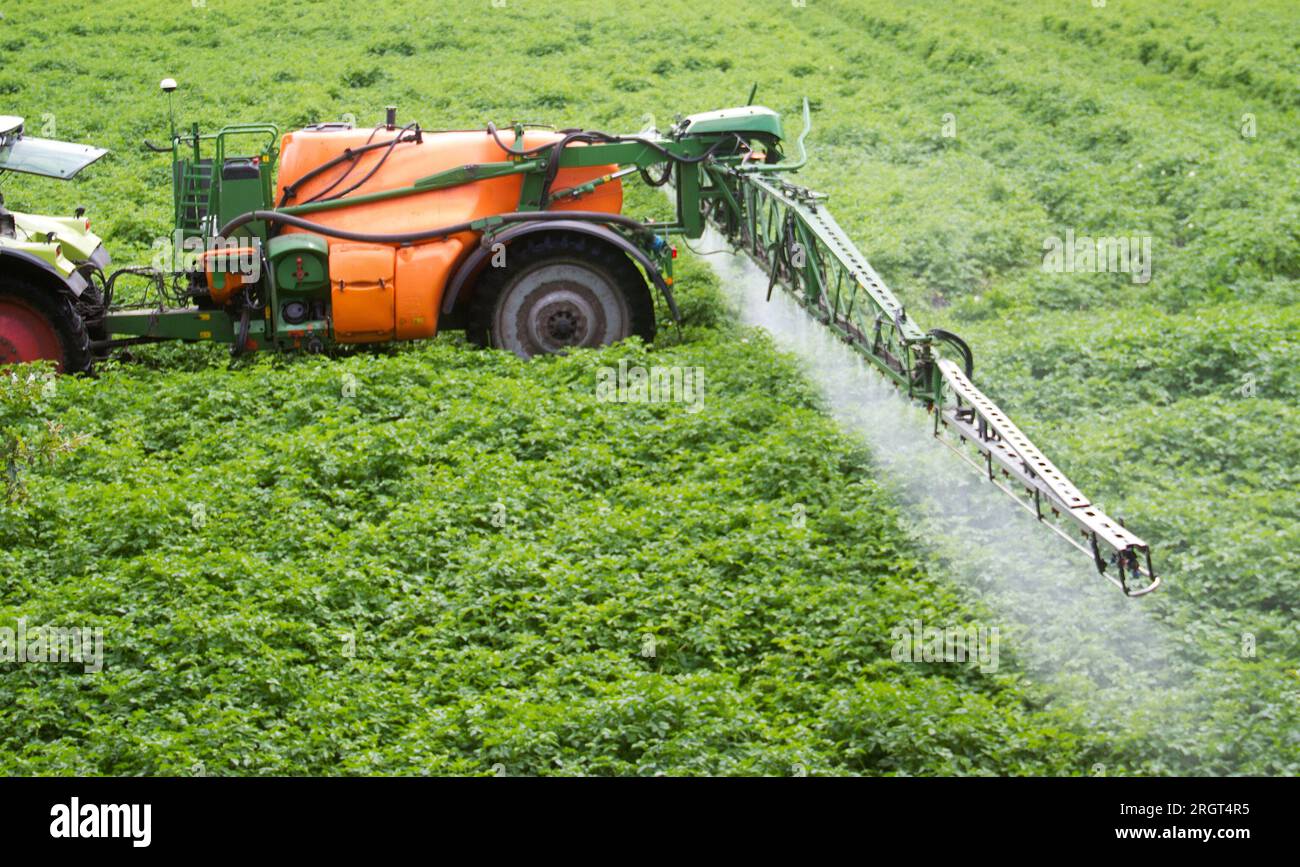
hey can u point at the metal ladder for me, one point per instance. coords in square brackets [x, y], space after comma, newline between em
[194, 202]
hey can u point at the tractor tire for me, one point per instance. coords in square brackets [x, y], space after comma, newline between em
[41, 323]
[559, 291]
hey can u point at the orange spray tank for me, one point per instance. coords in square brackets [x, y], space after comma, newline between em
[384, 292]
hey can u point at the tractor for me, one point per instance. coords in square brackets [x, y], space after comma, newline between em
[51, 268]
[336, 234]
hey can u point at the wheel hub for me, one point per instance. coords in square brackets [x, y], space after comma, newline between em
[26, 335]
[563, 322]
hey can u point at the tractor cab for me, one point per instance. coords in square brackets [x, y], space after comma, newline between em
[62, 247]
[39, 156]
[61, 243]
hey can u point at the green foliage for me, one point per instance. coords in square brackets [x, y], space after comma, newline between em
[356, 497]
[25, 439]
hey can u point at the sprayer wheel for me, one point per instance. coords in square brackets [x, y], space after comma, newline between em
[559, 291]
[40, 323]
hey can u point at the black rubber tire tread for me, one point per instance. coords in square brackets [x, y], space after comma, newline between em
[58, 306]
[533, 249]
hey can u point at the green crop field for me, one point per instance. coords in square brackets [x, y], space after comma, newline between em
[435, 559]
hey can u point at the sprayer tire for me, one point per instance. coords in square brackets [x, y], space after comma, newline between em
[559, 291]
[45, 324]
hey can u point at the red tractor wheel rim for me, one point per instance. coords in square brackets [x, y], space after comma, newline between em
[26, 335]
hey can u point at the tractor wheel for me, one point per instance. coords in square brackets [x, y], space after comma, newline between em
[560, 291]
[39, 323]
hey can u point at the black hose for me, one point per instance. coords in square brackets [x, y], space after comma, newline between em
[526, 152]
[657, 182]
[597, 137]
[354, 162]
[348, 154]
[960, 345]
[426, 234]
[132, 270]
[321, 196]
[241, 337]
[553, 166]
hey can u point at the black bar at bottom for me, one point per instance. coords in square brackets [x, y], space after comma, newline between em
[333, 815]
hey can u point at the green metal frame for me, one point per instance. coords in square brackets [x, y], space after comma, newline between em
[199, 191]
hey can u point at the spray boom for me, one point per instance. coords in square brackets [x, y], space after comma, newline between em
[788, 232]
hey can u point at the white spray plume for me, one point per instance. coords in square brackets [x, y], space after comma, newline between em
[1070, 625]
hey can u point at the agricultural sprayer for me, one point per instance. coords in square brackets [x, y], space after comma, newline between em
[335, 234]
